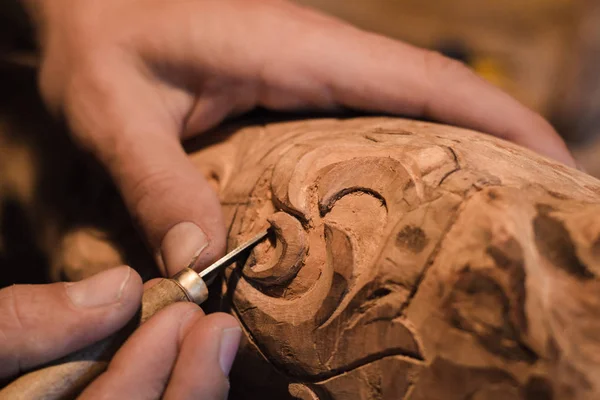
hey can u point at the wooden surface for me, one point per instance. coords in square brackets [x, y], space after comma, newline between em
[435, 263]
[411, 260]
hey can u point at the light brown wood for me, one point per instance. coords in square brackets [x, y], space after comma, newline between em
[410, 261]
[67, 377]
[423, 262]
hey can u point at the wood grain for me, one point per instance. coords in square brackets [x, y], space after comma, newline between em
[423, 262]
[410, 260]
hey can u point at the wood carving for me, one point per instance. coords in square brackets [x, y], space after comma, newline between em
[408, 260]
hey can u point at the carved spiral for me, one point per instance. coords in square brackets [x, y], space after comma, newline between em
[276, 265]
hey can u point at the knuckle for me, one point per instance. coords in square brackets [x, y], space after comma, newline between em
[88, 76]
[88, 91]
[440, 70]
[146, 189]
[439, 66]
[72, 52]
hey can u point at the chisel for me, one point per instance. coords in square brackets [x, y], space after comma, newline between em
[68, 376]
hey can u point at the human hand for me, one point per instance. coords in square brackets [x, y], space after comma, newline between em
[41, 323]
[135, 77]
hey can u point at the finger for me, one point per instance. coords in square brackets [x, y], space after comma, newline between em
[39, 323]
[368, 71]
[372, 72]
[318, 61]
[206, 356]
[126, 124]
[429, 85]
[141, 368]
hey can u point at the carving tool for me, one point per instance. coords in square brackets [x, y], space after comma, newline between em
[67, 377]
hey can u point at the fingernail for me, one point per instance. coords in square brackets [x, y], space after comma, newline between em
[230, 340]
[99, 290]
[182, 243]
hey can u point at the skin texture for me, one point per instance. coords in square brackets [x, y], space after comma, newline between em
[24, 319]
[295, 175]
[31, 336]
[408, 260]
[39, 324]
[133, 78]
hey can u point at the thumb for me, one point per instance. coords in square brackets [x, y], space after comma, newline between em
[171, 201]
[131, 128]
[40, 323]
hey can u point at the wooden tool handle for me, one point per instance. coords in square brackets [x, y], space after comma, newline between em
[68, 376]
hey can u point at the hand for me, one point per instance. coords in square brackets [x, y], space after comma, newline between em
[135, 77]
[39, 324]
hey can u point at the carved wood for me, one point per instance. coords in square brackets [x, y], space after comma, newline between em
[423, 262]
[409, 260]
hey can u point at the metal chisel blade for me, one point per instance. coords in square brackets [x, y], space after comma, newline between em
[230, 257]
